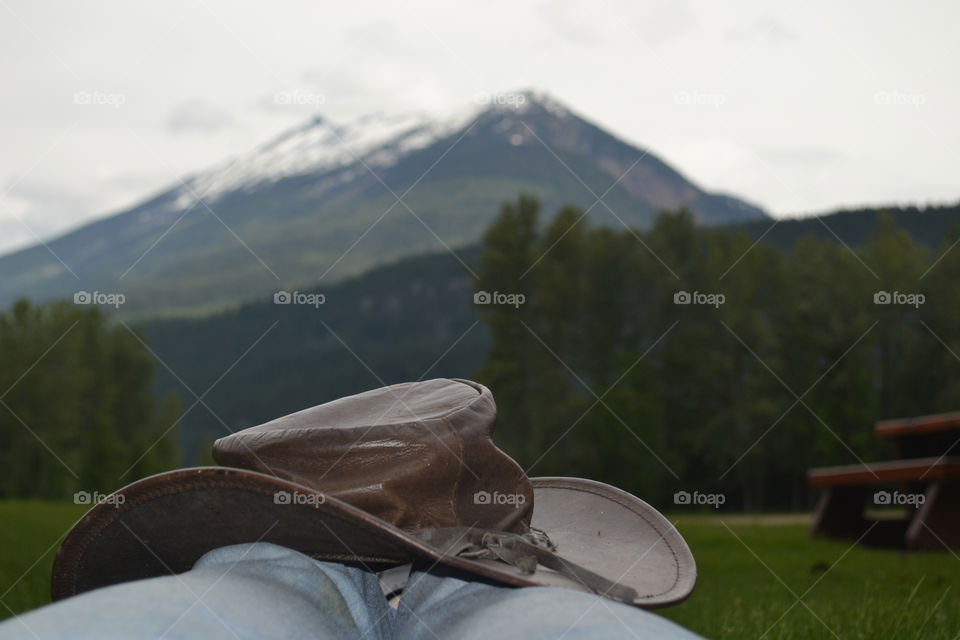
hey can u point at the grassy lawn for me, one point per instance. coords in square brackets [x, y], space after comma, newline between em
[30, 533]
[748, 567]
[758, 577]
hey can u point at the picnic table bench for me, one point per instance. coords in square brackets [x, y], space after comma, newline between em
[926, 482]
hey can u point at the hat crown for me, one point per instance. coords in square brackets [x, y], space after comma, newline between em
[416, 455]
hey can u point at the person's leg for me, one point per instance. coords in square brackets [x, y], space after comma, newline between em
[244, 591]
[443, 604]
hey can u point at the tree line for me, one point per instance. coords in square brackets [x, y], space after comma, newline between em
[77, 405]
[690, 358]
[675, 358]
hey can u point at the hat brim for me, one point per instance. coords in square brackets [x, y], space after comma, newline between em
[164, 524]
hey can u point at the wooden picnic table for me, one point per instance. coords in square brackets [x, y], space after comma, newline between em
[924, 482]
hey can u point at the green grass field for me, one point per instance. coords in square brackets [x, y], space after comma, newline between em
[30, 532]
[759, 576]
[763, 577]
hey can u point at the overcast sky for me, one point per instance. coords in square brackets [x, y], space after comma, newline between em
[799, 109]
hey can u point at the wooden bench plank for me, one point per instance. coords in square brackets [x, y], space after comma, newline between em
[926, 469]
[921, 424]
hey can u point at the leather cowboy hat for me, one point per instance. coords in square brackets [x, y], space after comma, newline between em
[388, 476]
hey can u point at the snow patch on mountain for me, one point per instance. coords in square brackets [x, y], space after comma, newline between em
[320, 146]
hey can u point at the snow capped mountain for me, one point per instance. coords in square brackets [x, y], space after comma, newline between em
[320, 145]
[319, 203]
[375, 140]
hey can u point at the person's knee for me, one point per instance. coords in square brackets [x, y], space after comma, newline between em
[476, 610]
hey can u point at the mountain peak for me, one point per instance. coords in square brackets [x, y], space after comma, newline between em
[543, 99]
[320, 145]
[377, 139]
[338, 151]
[523, 101]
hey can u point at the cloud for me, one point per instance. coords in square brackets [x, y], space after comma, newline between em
[35, 209]
[197, 116]
[377, 66]
[767, 30]
[42, 195]
[14, 236]
[46, 207]
[368, 85]
[800, 156]
[383, 36]
[617, 23]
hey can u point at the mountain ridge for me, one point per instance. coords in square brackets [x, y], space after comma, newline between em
[327, 200]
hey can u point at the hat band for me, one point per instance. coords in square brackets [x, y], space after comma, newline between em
[522, 550]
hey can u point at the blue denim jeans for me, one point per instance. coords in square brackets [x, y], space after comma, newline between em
[261, 590]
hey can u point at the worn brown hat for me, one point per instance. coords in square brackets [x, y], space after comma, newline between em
[392, 475]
